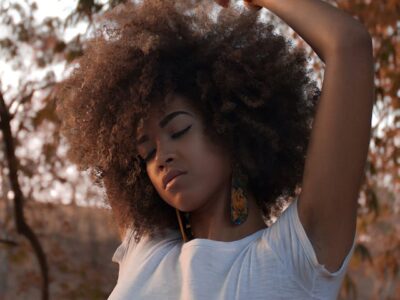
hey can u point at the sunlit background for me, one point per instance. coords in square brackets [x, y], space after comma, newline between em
[39, 43]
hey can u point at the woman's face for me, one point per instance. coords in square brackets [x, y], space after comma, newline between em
[173, 140]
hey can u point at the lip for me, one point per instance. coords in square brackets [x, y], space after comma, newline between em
[171, 175]
[171, 184]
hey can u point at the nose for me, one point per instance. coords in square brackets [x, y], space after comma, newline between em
[164, 156]
[165, 162]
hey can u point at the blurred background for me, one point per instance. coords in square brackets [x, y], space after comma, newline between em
[57, 235]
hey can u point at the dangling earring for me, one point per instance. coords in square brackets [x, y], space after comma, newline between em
[185, 227]
[239, 200]
[188, 226]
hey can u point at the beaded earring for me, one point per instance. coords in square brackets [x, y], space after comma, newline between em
[239, 202]
[188, 227]
[185, 227]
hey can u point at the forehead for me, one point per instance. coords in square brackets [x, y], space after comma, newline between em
[172, 102]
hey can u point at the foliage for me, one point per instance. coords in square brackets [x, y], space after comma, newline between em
[35, 48]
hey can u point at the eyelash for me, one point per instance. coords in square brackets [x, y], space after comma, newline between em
[174, 136]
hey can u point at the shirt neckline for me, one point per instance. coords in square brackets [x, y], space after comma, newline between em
[221, 244]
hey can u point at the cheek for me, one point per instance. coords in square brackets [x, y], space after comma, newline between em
[210, 166]
[155, 181]
[161, 192]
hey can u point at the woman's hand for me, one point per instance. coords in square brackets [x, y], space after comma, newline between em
[224, 3]
[251, 4]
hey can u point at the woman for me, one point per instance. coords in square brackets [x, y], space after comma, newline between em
[197, 128]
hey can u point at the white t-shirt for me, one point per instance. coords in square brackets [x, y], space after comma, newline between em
[277, 262]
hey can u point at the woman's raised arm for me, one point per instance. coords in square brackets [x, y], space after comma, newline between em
[338, 148]
[340, 136]
[324, 27]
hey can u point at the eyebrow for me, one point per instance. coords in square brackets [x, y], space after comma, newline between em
[164, 123]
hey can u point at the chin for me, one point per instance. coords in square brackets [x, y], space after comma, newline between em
[183, 207]
[185, 201]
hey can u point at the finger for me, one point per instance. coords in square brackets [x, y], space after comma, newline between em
[251, 6]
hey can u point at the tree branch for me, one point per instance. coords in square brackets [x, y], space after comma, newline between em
[22, 227]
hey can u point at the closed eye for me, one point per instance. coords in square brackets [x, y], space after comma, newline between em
[182, 132]
[174, 136]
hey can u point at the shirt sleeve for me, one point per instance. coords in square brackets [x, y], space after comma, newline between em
[133, 250]
[122, 248]
[289, 241]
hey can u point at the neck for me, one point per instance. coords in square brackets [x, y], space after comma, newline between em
[213, 220]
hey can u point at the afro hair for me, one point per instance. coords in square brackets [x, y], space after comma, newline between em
[253, 88]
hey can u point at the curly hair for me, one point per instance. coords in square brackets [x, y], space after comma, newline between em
[252, 87]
